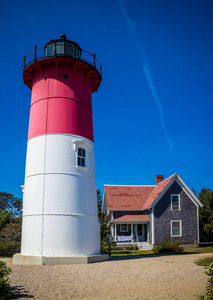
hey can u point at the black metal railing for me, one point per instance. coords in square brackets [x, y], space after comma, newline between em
[58, 50]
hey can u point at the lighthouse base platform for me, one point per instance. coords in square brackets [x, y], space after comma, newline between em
[19, 259]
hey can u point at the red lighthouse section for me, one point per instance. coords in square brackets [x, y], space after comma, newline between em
[62, 83]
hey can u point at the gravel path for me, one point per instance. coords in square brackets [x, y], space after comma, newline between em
[163, 277]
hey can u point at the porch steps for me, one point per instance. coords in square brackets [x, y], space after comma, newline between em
[144, 246]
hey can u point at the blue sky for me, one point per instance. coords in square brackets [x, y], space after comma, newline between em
[145, 122]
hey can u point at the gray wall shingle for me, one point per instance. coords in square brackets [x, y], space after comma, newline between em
[187, 214]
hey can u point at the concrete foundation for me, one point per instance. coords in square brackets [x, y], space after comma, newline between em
[19, 259]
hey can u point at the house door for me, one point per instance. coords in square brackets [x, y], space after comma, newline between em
[142, 232]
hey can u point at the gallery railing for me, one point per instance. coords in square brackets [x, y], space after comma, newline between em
[58, 49]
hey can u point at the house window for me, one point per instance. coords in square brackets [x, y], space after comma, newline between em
[175, 202]
[176, 228]
[124, 227]
[81, 157]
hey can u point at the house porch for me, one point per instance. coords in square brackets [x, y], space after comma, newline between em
[130, 233]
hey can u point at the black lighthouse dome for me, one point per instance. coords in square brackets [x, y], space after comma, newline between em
[62, 47]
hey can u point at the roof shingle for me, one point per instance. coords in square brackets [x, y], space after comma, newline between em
[133, 197]
[131, 218]
[157, 190]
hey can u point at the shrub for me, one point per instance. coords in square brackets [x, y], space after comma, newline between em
[8, 249]
[10, 239]
[113, 243]
[104, 247]
[209, 287]
[4, 281]
[11, 232]
[114, 247]
[168, 247]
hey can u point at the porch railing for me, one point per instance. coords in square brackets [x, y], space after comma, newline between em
[125, 238]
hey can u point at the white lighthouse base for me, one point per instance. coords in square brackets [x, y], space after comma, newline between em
[19, 259]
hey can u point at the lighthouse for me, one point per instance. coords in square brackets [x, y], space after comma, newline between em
[60, 217]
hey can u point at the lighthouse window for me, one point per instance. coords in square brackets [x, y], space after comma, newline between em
[81, 157]
[82, 154]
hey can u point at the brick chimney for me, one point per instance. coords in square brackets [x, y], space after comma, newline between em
[159, 178]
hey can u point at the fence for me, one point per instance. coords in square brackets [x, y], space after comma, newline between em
[202, 243]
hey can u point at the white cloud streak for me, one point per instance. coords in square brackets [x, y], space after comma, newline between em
[145, 64]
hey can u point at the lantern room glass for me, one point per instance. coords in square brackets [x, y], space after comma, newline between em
[63, 48]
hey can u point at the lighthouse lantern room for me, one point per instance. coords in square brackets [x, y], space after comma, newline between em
[60, 218]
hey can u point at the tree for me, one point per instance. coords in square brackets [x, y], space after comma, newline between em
[206, 215]
[10, 224]
[103, 227]
[10, 204]
[11, 233]
[4, 219]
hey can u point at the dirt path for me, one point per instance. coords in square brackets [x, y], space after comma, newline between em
[164, 277]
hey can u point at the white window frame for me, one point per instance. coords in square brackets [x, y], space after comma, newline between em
[86, 146]
[82, 157]
[176, 195]
[125, 230]
[176, 221]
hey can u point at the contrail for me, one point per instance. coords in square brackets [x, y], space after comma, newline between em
[145, 64]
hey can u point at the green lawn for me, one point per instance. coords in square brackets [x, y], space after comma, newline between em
[150, 252]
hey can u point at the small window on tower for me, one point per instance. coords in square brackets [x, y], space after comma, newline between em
[82, 154]
[81, 157]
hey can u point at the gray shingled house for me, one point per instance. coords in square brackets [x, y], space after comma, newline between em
[146, 214]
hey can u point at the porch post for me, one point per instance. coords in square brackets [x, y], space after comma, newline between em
[148, 232]
[132, 232]
[116, 232]
[136, 232]
[112, 231]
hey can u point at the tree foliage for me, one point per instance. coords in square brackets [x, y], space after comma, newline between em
[11, 233]
[206, 215]
[103, 227]
[10, 204]
[10, 224]
[4, 219]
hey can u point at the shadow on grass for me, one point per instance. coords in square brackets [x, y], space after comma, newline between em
[205, 262]
[19, 292]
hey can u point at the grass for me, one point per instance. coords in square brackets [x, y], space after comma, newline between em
[150, 252]
[199, 250]
[131, 252]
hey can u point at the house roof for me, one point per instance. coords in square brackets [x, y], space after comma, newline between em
[158, 190]
[141, 197]
[127, 197]
[127, 218]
